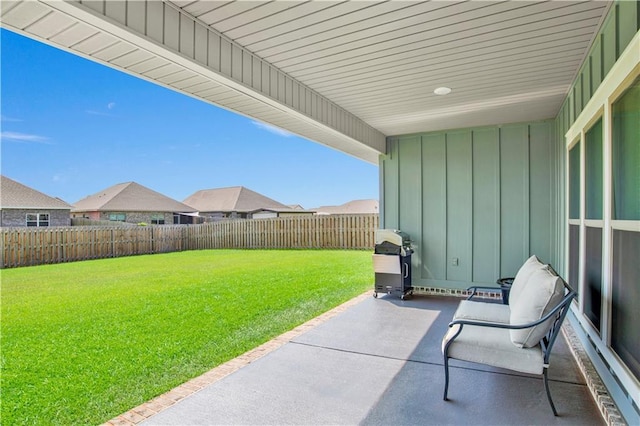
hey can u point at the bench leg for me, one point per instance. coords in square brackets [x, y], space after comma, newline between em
[446, 376]
[546, 386]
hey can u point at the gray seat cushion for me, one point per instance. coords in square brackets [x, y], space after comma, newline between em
[482, 311]
[493, 346]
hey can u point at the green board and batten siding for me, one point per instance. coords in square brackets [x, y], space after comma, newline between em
[475, 202]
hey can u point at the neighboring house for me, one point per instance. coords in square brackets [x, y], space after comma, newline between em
[24, 206]
[237, 202]
[352, 207]
[133, 203]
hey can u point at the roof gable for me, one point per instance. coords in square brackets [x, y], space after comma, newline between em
[232, 199]
[130, 196]
[14, 195]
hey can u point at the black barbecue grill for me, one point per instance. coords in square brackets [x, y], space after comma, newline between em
[392, 263]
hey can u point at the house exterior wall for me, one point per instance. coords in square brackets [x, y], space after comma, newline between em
[88, 215]
[291, 214]
[139, 217]
[263, 214]
[482, 198]
[18, 217]
[213, 216]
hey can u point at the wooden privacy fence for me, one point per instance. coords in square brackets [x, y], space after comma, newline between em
[37, 246]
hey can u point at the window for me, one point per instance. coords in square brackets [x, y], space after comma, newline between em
[117, 217]
[625, 327]
[574, 182]
[625, 175]
[574, 217]
[626, 154]
[157, 219]
[592, 282]
[593, 176]
[593, 172]
[37, 219]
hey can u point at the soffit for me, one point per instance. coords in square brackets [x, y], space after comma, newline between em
[365, 69]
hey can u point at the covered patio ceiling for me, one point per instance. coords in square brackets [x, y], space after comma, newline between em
[343, 73]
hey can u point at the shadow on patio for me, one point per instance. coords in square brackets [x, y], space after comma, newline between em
[379, 362]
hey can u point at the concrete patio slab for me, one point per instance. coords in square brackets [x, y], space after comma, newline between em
[379, 363]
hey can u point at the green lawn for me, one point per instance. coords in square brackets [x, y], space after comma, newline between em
[83, 342]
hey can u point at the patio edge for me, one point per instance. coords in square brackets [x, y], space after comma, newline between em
[596, 386]
[156, 405]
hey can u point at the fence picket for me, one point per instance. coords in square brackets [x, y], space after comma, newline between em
[36, 246]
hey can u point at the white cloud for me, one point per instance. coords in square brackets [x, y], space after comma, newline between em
[9, 119]
[273, 129]
[92, 112]
[24, 137]
[105, 113]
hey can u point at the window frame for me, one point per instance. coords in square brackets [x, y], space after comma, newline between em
[38, 220]
[117, 215]
[156, 218]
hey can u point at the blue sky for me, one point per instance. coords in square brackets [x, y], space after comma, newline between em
[72, 127]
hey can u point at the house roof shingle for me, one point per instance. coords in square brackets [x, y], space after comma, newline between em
[232, 199]
[130, 196]
[352, 207]
[14, 195]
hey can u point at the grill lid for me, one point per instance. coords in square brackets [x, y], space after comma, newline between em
[393, 236]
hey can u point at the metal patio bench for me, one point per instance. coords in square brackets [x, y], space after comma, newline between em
[518, 336]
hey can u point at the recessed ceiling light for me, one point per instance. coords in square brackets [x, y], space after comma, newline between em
[442, 91]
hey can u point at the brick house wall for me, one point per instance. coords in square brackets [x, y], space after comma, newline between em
[18, 217]
[140, 217]
[87, 215]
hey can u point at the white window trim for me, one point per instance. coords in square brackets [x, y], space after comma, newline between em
[38, 220]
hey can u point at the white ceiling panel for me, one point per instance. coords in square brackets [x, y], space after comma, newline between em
[132, 58]
[330, 28]
[443, 55]
[114, 51]
[194, 80]
[163, 71]
[199, 8]
[300, 14]
[176, 77]
[239, 14]
[23, 14]
[73, 34]
[50, 25]
[95, 43]
[147, 65]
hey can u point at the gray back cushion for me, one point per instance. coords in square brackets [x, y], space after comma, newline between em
[525, 271]
[542, 292]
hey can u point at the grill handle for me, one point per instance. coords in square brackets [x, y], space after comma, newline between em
[406, 269]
